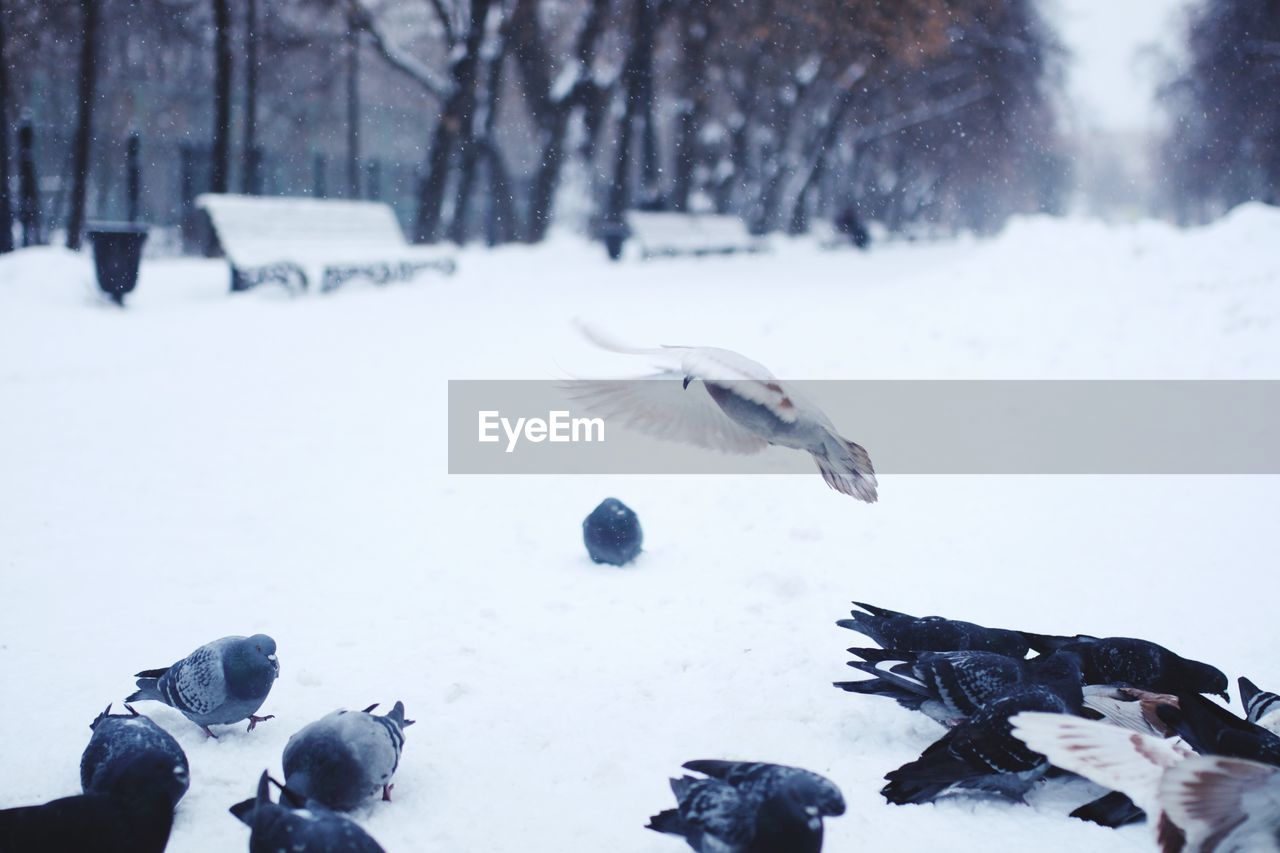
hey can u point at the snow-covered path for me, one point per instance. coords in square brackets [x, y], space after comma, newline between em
[201, 465]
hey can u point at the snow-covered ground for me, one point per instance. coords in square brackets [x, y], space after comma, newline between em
[204, 464]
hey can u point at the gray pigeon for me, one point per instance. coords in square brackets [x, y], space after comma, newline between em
[122, 738]
[222, 682]
[296, 825]
[1261, 706]
[345, 757]
[736, 406]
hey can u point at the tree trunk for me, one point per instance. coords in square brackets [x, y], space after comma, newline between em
[28, 186]
[84, 120]
[639, 56]
[250, 179]
[353, 109]
[219, 179]
[6, 204]
[455, 120]
[133, 178]
[696, 26]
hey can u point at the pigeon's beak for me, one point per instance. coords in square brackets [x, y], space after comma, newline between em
[686, 382]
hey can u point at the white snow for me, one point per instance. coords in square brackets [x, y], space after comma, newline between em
[203, 464]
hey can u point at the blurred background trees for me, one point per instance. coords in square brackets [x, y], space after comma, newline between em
[495, 119]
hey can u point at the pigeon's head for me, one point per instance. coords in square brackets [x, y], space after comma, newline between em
[796, 810]
[263, 647]
[1203, 678]
[148, 776]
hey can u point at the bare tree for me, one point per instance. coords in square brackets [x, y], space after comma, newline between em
[87, 91]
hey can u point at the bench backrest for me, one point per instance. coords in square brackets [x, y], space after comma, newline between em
[252, 225]
[685, 231]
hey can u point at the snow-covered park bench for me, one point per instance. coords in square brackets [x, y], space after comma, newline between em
[667, 235]
[296, 241]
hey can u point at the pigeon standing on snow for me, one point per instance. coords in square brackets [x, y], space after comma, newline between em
[981, 753]
[293, 824]
[134, 817]
[123, 737]
[735, 406]
[346, 757]
[893, 630]
[1143, 664]
[950, 686]
[1260, 706]
[220, 683]
[750, 807]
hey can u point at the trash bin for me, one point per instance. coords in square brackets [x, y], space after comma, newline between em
[117, 253]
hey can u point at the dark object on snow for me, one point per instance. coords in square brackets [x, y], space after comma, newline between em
[294, 824]
[1137, 663]
[1260, 706]
[849, 224]
[1213, 730]
[893, 630]
[981, 754]
[1113, 810]
[748, 807]
[220, 683]
[135, 818]
[122, 738]
[952, 686]
[345, 757]
[117, 254]
[612, 533]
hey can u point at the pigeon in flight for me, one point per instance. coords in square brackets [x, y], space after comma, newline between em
[949, 687]
[893, 630]
[717, 399]
[135, 816]
[1222, 805]
[345, 757]
[1260, 706]
[295, 824]
[1130, 763]
[123, 737]
[750, 807]
[220, 683]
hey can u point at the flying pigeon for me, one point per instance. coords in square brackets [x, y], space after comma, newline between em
[293, 824]
[135, 817]
[893, 630]
[346, 757]
[222, 682]
[981, 754]
[1260, 706]
[750, 807]
[951, 686]
[1213, 730]
[734, 405]
[1130, 763]
[123, 737]
[1222, 805]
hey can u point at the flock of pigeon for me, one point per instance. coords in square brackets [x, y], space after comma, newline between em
[1124, 713]
[134, 773]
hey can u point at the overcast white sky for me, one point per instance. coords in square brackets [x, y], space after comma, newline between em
[1110, 84]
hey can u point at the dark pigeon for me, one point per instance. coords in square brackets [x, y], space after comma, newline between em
[122, 737]
[134, 818]
[1260, 706]
[1112, 809]
[893, 630]
[1211, 729]
[295, 825]
[612, 533]
[951, 686]
[750, 807]
[981, 754]
[346, 757]
[220, 683]
[1143, 664]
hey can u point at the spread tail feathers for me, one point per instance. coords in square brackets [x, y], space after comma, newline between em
[879, 687]
[148, 687]
[667, 821]
[847, 468]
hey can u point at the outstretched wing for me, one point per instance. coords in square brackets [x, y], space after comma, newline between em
[660, 406]
[1223, 804]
